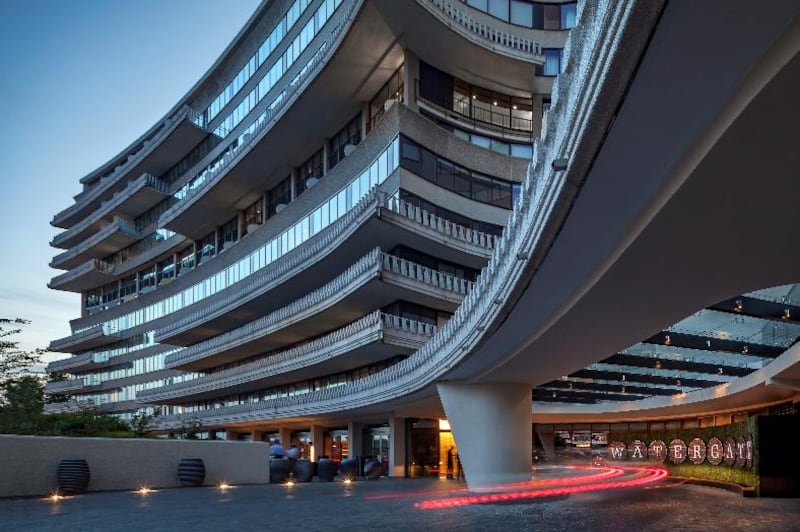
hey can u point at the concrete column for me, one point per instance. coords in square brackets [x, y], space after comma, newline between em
[410, 82]
[318, 440]
[364, 120]
[293, 183]
[491, 424]
[285, 436]
[397, 447]
[355, 439]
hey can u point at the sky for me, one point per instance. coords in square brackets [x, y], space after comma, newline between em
[81, 80]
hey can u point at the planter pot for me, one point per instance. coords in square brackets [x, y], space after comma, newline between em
[73, 476]
[326, 469]
[191, 472]
[349, 468]
[303, 471]
[278, 470]
[372, 469]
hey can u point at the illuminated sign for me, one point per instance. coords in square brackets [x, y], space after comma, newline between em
[736, 452]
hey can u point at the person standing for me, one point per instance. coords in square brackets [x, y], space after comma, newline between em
[276, 450]
[450, 463]
[460, 474]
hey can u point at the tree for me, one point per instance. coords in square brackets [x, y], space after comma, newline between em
[14, 362]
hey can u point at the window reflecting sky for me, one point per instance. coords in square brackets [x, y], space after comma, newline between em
[80, 81]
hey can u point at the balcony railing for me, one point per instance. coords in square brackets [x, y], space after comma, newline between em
[326, 243]
[490, 36]
[65, 259]
[341, 341]
[84, 198]
[501, 124]
[108, 207]
[365, 269]
[91, 265]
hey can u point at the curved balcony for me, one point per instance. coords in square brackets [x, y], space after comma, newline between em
[65, 387]
[376, 280]
[64, 407]
[93, 272]
[100, 359]
[532, 226]
[89, 338]
[373, 338]
[179, 134]
[113, 237]
[491, 35]
[138, 196]
[376, 220]
[301, 74]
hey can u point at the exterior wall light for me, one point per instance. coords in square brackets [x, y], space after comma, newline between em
[559, 165]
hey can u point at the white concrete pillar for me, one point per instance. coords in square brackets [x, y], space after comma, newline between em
[397, 447]
[355, 439]
[491, 424]
[318, 442]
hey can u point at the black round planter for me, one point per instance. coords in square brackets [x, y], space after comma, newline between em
[348, 468]
[303, 471]
[73, 476]
[372, 469]
[191, 472]
[326, 469]
[278, 470]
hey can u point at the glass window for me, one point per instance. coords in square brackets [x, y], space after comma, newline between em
[344, 141]
[206, 247]
[253, 217]
[229, 232]
[281, 194]
[309, 172]
[521, 13]
[552, 61]
[499, 9]
[568, 15]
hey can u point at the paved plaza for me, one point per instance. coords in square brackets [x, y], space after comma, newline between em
[394, 504]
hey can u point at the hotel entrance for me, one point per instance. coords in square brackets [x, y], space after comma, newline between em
[429, 441]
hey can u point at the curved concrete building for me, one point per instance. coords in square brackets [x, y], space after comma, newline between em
[381, 228]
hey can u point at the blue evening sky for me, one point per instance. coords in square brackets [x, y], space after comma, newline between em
[79, 81]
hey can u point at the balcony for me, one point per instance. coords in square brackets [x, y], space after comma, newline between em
[65, 387]
[90, 338]
[136, 198]
[164, 149]
[68, 407]
[377, 220]
[375, 281]
[111, 238]
[93, 272]
[493, 35]
[373, 338]
[99, 359]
